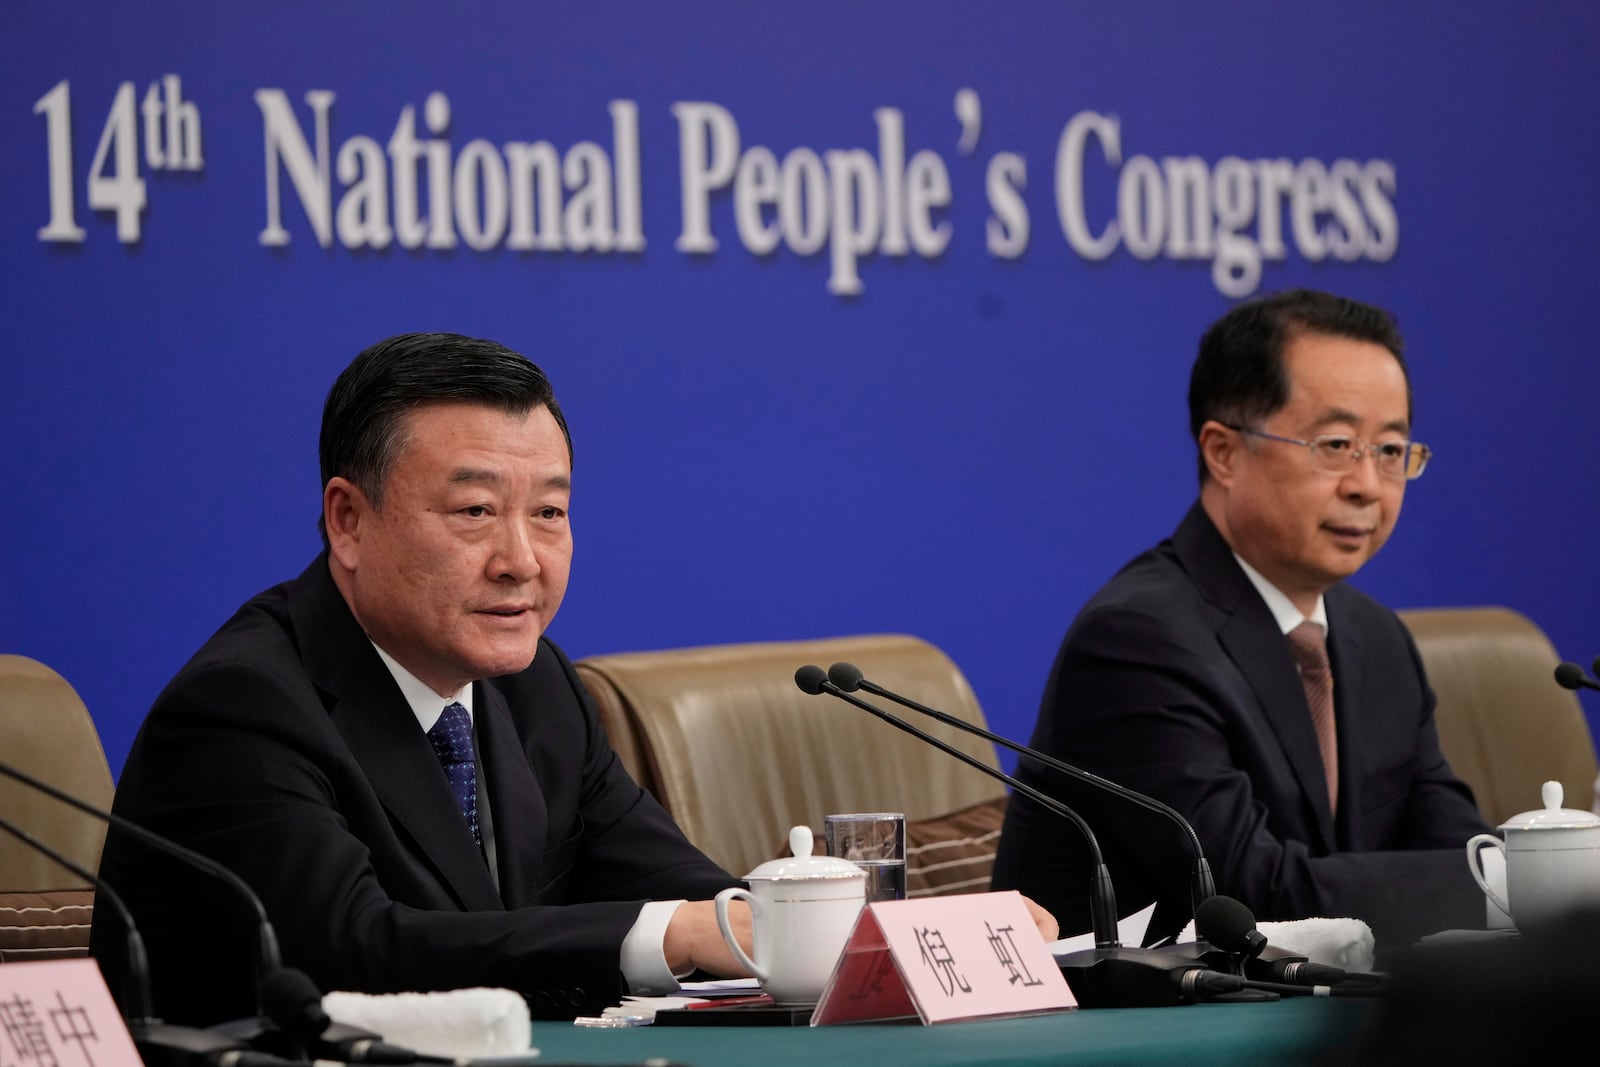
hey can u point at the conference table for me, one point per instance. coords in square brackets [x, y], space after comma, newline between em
[1292, 1030]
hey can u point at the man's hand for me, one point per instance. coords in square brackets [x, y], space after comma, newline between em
[694, 941]
[1048, 928]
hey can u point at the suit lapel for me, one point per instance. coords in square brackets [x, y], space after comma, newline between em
[1250, 636]
[377, 724]
[521, 821]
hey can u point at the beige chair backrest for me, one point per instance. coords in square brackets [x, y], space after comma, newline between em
[46, 731]
[738, 754]
[1505, 724]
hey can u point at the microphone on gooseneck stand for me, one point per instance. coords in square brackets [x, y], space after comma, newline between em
[160, 1044]
[814, 680]
[1201, 885]
[1571, 676]
[1111, 974]
[268, 960]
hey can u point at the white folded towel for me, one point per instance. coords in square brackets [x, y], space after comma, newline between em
[1345, 943]
[458, 1023]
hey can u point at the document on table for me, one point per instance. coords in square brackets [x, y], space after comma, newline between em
[638, 1011]
[1130, 931]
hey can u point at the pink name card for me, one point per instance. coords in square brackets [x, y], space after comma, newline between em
[943, 959]
[59, 1012]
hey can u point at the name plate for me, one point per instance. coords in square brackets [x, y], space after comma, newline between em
[58, 1013]
[944, 959]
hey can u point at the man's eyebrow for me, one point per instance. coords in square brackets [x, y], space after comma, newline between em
[482, 476]
[1335, 416]
[464, 475]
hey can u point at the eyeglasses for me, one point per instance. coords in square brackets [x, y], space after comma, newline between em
[1341, 452]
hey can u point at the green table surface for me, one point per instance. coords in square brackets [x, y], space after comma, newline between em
[1285, 1031]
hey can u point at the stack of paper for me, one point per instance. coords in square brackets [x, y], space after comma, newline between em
[640, 1011]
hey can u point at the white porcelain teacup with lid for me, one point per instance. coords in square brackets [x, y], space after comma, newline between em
[803, 908]
[1552, 861]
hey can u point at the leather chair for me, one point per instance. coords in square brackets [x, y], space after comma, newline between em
[1505, 724]
[738, 754]
[46, 731]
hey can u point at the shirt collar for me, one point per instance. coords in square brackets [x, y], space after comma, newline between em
[426, 705]
[1283, 610]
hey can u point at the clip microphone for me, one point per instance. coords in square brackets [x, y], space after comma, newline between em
[1111, 974]
[1571, 676]
[292, 1000]
[1231, 927]
[268, 959]
[1201, 886]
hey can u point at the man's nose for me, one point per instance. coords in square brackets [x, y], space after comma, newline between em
[515, 557]
[1363, 479]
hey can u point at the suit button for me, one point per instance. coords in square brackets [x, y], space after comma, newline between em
[541, 999]
[575, 996]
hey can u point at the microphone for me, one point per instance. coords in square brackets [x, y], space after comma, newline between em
[292, 1000]
[1571, 676]
[160, 1044]
[813, 680]
[1231, 927]
[268, 959]
[1201, 886]
[1111, 974]
[136, 1008]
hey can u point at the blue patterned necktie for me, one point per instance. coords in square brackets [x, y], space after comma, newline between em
[452, 743]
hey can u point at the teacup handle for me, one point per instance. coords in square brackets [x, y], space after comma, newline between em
[722, 900]
[1480, 841]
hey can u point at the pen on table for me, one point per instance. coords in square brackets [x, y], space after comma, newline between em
[729, 1002]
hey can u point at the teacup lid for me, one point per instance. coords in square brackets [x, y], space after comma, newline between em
[1552, 816]
[803, 864]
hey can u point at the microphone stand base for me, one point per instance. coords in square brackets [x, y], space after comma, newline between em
[166, 1045]
[1241, 996]
[1125, 977]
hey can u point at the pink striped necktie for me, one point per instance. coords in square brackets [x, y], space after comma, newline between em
[1310, 647]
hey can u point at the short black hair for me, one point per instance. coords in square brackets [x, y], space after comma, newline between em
[364, 416]
[1238, 377]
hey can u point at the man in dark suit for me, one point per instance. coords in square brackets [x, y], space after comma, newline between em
[388, 749]
[1182, 677]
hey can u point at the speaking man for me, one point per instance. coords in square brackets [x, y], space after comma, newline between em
[389, 750]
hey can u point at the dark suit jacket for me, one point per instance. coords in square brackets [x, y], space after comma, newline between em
[285, 750]
[1176, 681]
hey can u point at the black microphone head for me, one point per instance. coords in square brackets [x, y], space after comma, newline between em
[1595, 667]
[1569, 675]
[810, 678]
[292, 1000]
[1227, 924]
[846, 676]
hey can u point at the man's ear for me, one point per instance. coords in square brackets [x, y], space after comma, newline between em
[1220, 448]
[346, 515]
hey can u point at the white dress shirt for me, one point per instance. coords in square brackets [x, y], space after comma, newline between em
[644, 962]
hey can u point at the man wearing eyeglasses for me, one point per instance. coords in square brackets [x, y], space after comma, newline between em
[1232, 673]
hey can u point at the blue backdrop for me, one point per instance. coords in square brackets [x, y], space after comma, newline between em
[865, 316]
